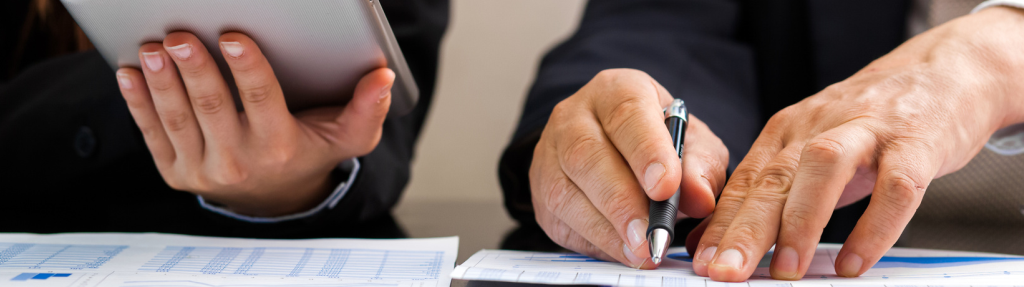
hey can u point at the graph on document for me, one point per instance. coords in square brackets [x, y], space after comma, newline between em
[56, 256]
[299, 262]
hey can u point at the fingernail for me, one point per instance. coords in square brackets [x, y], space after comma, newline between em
[730, 258]
[234, 49]
[634, 262]
[635, 232]
[154, 62]
[707, 254]
[851, 265]
[786, 263]
[182, 52]
[124, 81]
[654, 173]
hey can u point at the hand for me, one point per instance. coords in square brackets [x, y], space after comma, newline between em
[918, 113]
[263, 161]
[601, 150]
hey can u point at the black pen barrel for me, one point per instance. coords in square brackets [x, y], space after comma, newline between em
[663, 213]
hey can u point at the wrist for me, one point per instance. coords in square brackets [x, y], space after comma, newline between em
[279, 200]
[994, 44]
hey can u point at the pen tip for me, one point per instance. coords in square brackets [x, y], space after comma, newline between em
[656, 259]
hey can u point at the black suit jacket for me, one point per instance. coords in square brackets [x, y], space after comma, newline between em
[72, 159]
[735, 63]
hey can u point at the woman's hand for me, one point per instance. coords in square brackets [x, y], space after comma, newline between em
[604, 153]
[260, 162]
[918, 113]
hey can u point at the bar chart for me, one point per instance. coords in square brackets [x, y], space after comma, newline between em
[56, 256]
[299, 262]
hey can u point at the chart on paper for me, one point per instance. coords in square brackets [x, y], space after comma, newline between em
[299, 262]
[900, 266]
[100, 260]
[56, 256]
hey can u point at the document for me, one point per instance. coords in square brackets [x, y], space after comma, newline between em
[138, 260]
[899, 267]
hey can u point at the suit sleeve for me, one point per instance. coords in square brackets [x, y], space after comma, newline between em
[690, 47]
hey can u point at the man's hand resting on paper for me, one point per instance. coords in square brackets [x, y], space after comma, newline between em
[604, 153]
[264, 161]
[918, 113]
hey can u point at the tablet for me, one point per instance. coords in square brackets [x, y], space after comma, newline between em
[319, 49]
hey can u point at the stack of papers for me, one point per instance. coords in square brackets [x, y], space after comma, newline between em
[100, 260]
[899, 267]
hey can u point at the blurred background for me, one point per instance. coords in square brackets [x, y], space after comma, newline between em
[488, 60]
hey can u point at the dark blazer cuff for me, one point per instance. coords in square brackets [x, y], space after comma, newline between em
[514, 174]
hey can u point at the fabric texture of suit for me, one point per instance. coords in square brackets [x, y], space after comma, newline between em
[735, 63]
[73, 159]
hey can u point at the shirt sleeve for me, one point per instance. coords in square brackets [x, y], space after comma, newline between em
[990, 3]
[352, 168]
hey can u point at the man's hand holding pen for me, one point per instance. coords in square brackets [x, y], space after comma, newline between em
[605, 154]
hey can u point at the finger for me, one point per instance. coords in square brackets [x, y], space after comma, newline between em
[568, 238]
[755, 226]
[903, 176]
[265, 108]
[827, 163]
[360, 122]
[630, 109]
[208, 93]
[140, 104]
[564, 200]
[172, 103]
[765, 148]
[693, 239]
[705, 158]
[590, 161]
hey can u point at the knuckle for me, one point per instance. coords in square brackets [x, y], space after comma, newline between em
[800, 217]
[559, 196]
[161, 87]
[228, 174]
[209, 103]
[259, 93]
[782, 116]
[176, 121]
[196, 68]
[561, 108]
[613, 75]
[135, 102]
[775, 178]
[825, 150]
[617, 205]
[581, 154]
[902, 191]
[628, 110]
[149, 132]
[279, 156]
[748, 230]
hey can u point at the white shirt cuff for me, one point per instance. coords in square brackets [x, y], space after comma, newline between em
[990, 3]
[330, 202]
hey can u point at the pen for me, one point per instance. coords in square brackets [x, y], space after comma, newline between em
[662, 218]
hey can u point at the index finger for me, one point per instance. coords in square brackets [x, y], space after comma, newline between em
[827, 163]
[629, 107]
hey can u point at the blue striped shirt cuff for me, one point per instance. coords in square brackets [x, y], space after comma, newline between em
[332, 200]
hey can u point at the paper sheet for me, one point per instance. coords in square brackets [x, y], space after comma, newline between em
[137, 260]
[900, 266]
